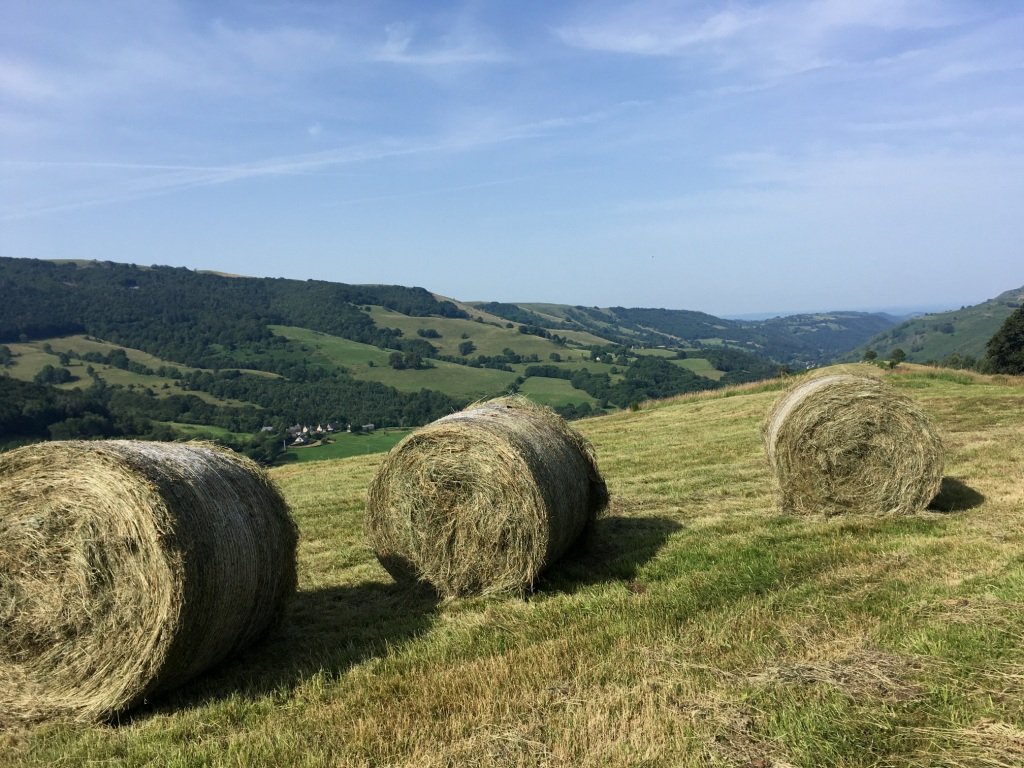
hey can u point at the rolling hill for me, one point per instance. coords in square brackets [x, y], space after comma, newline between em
[696, 627]
[123, 350]
[126, 350]
[799, 341]
[952, 337]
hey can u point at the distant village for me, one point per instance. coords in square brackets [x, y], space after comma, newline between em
[299, 435]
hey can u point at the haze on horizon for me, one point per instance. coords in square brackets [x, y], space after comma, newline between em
[739, 158]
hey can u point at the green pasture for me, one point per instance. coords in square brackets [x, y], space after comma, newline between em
[30, 358]
[459, 381]
[370, 363]
[336, 350]
[489, 340]
[80, 344]
[655, 352]
[205, 431]
[701, 367]
[345, 445]
[554, 392]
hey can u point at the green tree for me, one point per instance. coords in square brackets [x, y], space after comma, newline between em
[50, 375]
[466, 348]
[897, 356]
[1006, 348]
[870, 356]
[412, 359]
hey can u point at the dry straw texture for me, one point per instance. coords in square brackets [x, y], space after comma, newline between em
[482, 501]
[127, 568]
[851, 444]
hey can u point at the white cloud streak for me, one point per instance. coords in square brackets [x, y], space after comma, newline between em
[770, 39]
[181, 177]
[400, 47]
[22, 82]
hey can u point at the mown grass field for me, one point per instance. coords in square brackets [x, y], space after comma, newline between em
[695, 627]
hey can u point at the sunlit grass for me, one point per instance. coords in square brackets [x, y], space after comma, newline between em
[554, 392]
[696, 626]
[343, 445]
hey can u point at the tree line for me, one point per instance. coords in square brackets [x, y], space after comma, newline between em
[198, 319]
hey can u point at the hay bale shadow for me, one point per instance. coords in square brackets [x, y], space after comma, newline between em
[613, 549]
[324, 632]
[955, 496]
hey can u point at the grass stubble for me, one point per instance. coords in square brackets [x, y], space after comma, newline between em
[697, 626]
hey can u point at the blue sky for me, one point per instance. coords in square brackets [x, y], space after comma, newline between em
[731, 157]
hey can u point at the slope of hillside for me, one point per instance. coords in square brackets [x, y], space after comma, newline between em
[936, 337]
[696, 627]
[151, 348]
[799, 341]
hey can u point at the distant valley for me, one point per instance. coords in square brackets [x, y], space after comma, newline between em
[106, 349]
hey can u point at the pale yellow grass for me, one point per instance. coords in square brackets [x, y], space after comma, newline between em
[697, 628]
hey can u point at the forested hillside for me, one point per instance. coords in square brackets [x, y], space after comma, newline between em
[109, 349]
[193, 317]
[956, 339]
[117, 349]
[796, 340]
[104, 349]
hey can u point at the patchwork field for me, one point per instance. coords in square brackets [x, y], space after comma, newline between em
[370, 363]
[695, 627]
[31, 357]
[488, 339]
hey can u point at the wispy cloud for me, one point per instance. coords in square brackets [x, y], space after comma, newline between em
[440, 190]
[141, 184]
[748, 130]
[402, 46]
[991, 119]
[770, 39]
[875, 186]
[23, 82]
[653, 31]
[171, 177]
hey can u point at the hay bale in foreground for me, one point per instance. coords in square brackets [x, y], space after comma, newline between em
[482, 501]
[127, 568]
[851, 444]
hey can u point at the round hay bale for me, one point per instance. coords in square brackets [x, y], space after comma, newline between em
[127, 568]
[851, 444]
[482, 501]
